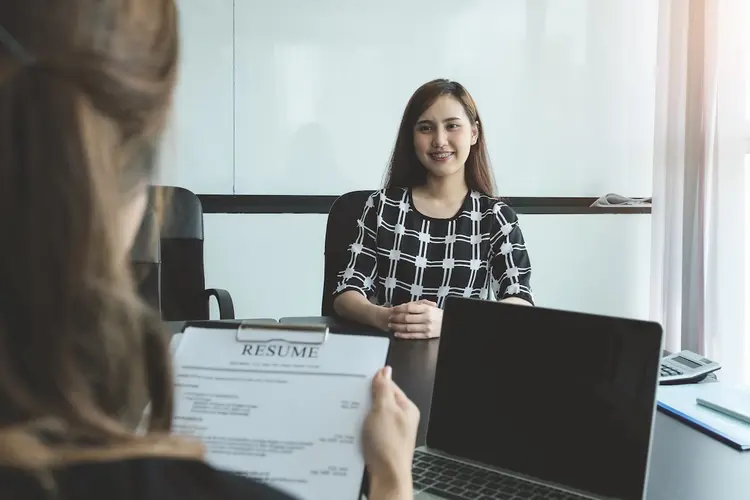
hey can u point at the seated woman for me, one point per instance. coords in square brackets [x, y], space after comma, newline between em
[436, 230]
[85, 86]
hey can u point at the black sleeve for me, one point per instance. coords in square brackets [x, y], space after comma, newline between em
[509, 263]
[361, 272]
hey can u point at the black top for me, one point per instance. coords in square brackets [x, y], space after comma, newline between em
[137, 479]
[401, 255]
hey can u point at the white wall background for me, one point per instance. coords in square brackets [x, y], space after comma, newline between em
[305, 97]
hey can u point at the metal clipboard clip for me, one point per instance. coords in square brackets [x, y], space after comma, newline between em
[258, 332]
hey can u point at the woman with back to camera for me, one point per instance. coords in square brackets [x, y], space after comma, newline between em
[85, 86]
[436, 229]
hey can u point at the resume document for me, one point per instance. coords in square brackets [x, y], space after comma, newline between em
[288, 413]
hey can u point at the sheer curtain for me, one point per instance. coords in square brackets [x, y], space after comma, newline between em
[697, 284]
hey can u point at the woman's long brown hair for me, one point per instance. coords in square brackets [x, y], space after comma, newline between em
[83, 100]
[405, 170]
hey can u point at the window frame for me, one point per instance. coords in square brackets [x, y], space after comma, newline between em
[747, 82]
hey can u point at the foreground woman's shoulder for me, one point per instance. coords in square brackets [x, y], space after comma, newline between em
[142, 478]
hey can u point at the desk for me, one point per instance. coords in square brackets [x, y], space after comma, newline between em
[685, 463]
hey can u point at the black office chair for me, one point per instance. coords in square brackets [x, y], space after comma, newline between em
[341, 230]
[145, 256]
[183, 285]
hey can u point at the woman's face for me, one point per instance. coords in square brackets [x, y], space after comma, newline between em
[443, 137]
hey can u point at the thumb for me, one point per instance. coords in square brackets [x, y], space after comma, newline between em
[381, 387]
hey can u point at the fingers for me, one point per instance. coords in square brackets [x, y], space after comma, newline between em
[399, 396]
[386, 391]
[410, 328]
[404, 318]
[415, 336]
[404, 403]
[413, 320]
[411, 308]
[382, 392]
[409, 318]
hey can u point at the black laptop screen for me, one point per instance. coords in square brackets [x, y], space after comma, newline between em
[564, 397]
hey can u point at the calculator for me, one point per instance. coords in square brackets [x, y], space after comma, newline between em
[685, 367]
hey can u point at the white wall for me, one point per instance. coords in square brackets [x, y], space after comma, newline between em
[305, 97]
[273, 264]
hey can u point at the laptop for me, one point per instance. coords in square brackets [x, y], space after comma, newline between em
[534, 403]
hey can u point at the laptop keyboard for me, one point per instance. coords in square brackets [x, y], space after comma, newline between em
[456, 481]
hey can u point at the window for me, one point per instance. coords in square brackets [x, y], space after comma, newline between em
[747, 85]
[747, 197]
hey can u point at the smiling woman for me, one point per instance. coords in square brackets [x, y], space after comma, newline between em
[436, 230]
[440, 115]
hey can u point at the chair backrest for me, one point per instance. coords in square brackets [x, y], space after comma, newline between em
[341, 230]
[182, 268]
[145, 256]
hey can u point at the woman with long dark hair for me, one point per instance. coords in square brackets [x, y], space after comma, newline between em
[436, 229]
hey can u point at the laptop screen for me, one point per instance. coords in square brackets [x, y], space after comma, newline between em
[563, 397]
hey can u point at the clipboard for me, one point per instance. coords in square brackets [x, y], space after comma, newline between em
[269, 333]
[298, 334]
[679, 401]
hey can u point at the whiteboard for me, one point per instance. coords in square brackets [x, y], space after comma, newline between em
[566, 91]
[197, 150]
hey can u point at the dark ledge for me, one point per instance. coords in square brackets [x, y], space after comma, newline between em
[316, 204]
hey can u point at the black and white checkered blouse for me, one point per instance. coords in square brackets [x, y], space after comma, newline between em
[401, 255]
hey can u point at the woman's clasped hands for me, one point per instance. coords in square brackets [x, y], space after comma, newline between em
[420, 319]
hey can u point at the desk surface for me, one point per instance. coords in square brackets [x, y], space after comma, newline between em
[685, 464]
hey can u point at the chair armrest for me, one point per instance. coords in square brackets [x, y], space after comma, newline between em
[226, 306]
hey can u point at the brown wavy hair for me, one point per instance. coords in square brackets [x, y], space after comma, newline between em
[406, 171]
[85, 88]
